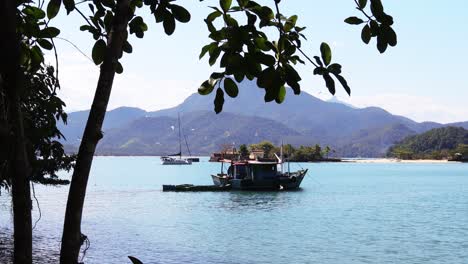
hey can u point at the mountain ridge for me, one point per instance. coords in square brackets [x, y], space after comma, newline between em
[303, 119]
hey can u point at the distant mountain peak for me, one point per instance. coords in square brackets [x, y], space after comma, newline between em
[335, 100]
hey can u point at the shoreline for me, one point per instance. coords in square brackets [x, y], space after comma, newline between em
[388, 160]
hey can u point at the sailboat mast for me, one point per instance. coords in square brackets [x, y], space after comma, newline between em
[180, 143]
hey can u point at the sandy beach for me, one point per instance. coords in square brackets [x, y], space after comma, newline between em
[396, 161]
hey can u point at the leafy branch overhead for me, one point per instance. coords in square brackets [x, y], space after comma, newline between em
[245, 51]
[378, 25]
[101, 17]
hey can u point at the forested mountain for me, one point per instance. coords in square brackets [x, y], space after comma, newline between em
[438, 142]
[204, 132]
[300, 120]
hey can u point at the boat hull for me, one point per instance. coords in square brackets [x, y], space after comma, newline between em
[172, 161]
[287, 181]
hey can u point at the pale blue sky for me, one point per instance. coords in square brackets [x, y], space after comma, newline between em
[423, 77]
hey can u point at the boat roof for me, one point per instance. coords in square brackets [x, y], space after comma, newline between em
[246, 162]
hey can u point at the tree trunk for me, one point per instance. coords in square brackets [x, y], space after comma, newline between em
[71, 238]
[19, 165]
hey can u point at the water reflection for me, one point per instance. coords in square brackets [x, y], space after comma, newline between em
[257, 201]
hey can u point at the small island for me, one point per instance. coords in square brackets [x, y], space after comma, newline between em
[267, 150]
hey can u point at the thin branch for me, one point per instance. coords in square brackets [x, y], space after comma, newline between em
[76, 47]
[82, 15]
[305, 55]
[362, 10]
[56, 59]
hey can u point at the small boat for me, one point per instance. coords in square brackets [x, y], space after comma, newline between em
[172, 160]
[258, 175]
[175, 161]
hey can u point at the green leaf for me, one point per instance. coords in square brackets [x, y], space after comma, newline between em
[53, 8]
[45, 44]
[330, 83]
[362, 3]
[207, 48]
[205, 88]
[127, 47]
[281, 95]
[382, 42]
[266, 77]
[169, 23]
[180, 13]
[69, 5]
[377, 8]
[366, 34]
[211, 17]
[334, 68]
[118, 68]
[354, 20]
[50, 32]
[219, 101]
[231, 87]
[344, 83]
[225, 4]
[99, 50]
[290, 23]
[135, 260]
[326, 53]
[319, 62]
[374, 27]
[390, 35]
[214, 54]
[37, 13]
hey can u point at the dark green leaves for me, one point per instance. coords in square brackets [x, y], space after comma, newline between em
[354, 20]
[169, 23]
[206, 87]
[344, 83]
[329, 83]
[377, 8]
[69, 5]
[99, 51]
[378, 25]
[35, 12]
[362, 4]
[231, 87]
[45, 44]
[390, 35]
[118, 68]
[49, 32]
[326, 53]
[219, 101]
[53, 8]
[180, 13]
[225, 4]
[137, 26]
[290, 23]
[281, 95]
[366, 34]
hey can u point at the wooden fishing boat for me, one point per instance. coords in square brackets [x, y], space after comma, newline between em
[257, 175]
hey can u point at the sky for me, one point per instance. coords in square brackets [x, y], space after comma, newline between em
[423, 77]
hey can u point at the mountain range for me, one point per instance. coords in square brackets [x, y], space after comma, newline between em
[299, 120]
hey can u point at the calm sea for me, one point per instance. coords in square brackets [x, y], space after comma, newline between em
[344, 213]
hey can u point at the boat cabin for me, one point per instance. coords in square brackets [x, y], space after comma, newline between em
[253, 170]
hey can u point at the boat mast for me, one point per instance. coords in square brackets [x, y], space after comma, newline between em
[180, 143]
[188, 149]
[281, 155]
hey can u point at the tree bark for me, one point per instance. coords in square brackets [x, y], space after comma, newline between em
[71, 238]
[19, 165]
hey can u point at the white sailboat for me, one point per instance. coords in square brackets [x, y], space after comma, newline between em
[173, 159]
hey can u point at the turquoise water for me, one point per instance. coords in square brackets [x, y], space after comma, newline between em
[344, 213]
